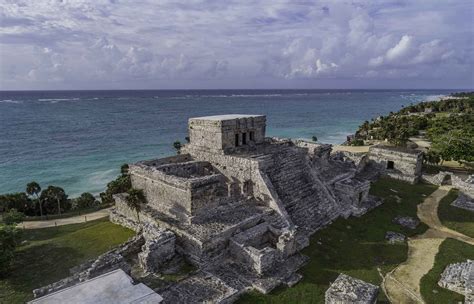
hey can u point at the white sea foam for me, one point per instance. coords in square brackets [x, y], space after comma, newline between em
[11, 101]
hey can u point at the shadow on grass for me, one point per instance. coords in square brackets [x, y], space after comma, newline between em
[37, 266]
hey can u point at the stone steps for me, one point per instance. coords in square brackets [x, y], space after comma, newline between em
[303, 199]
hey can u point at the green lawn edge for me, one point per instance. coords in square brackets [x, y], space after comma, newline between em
[455, 218]
[46, 255]
[450, 251]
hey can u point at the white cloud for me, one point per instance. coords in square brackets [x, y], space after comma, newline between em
[401, 49]
[54, 44]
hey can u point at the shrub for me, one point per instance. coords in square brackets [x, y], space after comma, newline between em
[13, 217]
[86, 200]
[9, 239]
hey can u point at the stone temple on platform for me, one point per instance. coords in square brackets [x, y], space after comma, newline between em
[239, 206]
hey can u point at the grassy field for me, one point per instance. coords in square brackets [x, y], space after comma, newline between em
[456, 218]
[450, 251]
[356, 246]
[49, 253]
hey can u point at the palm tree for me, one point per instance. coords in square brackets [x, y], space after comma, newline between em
[135, 200]
[33, 189]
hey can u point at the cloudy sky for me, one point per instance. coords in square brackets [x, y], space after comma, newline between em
[161, 44]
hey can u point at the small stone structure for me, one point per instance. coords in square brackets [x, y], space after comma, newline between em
[459, 277]
[348, 290]
[464, 202]
[394, 237]
[407, 221]
[399, 163]
[114, 287]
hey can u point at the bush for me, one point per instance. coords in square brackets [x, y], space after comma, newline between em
[9, 239]
[19, 201]
[86, 200]
[357, 142]
[13, 217]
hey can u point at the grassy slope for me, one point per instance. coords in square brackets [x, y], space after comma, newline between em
[456, 218]
[451, 251]
[49, 254]
[355, 246]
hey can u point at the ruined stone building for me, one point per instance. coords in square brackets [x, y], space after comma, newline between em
[239, 206]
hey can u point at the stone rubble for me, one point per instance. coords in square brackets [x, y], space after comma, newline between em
[347, 290]
[464, 202]
[407, 221]
[459, 277]
[394, 237]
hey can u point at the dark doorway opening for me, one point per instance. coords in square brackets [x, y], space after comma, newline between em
[236, 140]
[244, 138]
[390, 165]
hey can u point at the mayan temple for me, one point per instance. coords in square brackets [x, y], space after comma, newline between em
[240, 207]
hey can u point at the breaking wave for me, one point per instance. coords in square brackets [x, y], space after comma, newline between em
[11, 101]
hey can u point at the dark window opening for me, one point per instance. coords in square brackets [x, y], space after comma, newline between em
[236, 140]
[252, 135]
[244, 138]
[390, 164]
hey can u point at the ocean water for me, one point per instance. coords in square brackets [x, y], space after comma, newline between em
[79, 139]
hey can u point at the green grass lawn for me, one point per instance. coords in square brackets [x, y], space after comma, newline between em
[49, 253]
[356, 246]
[450, 251]
[455, 218]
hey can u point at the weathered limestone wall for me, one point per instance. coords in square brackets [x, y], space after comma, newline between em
[168, 190]
[253, 248]
[244, 176]
[158, 249]
[465, 186]
[218, 135]
[407, 165]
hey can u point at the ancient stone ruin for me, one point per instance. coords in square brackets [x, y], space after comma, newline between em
[240, 207]
[399, 163]
[459, 277]
[347, 290]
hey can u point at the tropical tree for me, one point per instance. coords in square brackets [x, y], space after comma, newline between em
[177, 145]
[314, 138]
[124, 169]
[135, 200]
[86, 200]
[54, 195]
[34, 189]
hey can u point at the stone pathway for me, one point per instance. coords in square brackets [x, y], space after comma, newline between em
[65, 221]
[402, 284]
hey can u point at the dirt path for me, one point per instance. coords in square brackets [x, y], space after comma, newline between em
[402, 284]
[65, 221]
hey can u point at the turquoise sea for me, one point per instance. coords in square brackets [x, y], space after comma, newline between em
[79, 139]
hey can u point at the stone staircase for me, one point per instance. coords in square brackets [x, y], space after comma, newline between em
[308, 205]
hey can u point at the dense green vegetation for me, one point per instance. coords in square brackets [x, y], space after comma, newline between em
[450, 251]
[53, 201]
[49, 253]
[456, 218]
[356, 246]
[448, 124]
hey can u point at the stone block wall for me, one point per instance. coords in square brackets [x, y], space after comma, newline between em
[406, 164]
[218, 133]
[180, 190]
[158, 249]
